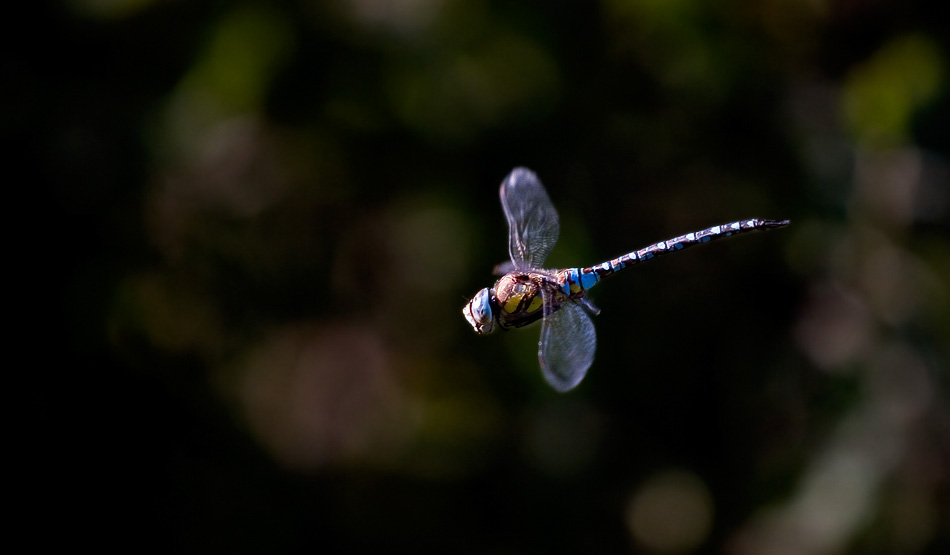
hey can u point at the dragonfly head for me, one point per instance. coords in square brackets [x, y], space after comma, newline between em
[480, 311]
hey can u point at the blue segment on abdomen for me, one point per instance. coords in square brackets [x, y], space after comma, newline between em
[588, 280]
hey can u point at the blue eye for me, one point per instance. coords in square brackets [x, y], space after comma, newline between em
[478, 312]
[482, 307]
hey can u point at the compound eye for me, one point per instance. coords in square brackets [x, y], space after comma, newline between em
[481, 307]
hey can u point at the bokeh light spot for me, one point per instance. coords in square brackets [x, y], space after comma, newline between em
[671, 513]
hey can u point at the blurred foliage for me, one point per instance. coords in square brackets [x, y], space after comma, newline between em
[882, 94]
[269, 216]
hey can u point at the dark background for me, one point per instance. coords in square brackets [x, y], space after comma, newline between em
[262, 221]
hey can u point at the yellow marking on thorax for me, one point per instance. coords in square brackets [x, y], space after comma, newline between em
[512, 304]
[534, 304]
[575, 288]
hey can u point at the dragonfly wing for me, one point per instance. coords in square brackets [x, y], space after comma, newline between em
[589, 305]
[532, 220]
[503, 268]
[567, 345]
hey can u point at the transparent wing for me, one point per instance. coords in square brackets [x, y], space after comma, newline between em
[589, 305]
[568, 342]
[503, 268]
[532, 221]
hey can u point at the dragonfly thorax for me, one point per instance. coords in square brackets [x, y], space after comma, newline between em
[519, 297]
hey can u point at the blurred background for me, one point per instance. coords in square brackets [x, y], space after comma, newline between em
[268, 216]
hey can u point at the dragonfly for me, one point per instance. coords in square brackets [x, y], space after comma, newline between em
[526, 292]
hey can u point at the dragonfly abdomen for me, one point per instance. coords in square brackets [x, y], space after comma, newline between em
[575, 281]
